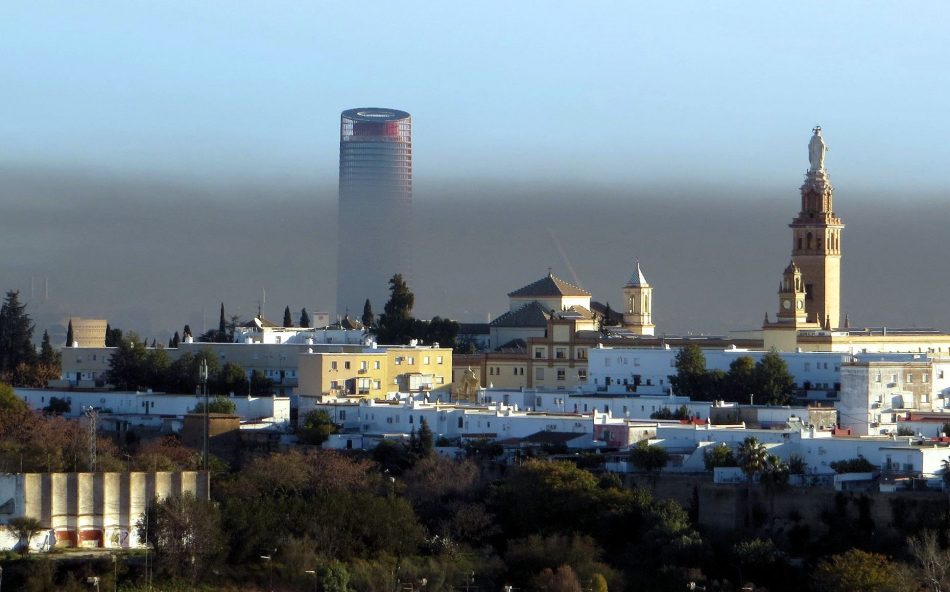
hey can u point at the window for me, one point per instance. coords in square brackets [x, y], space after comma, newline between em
[376, 365]
[910, 378]
[332, 365]
[342, 414]
[926, 378]
[560, 353]
[363, 366]
[438, 359]
[560, 373]
[539, 373]
[425, 360]
[334, 384]
[440, 380]
[398, 360]
[582, 373]
[581, 353]
[877, 378]
[538, 353]
[411, 360]
[346, 365]
[807, 366]
[376, 385]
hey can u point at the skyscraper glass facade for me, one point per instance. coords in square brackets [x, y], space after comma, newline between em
[375, 205]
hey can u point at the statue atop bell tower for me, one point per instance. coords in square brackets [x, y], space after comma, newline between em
[816, 240]
[816, 150]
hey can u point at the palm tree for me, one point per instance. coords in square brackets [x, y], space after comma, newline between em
[774, 478]
[753, 460]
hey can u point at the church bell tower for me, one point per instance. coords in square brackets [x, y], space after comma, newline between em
[637, 296]
[816, 240]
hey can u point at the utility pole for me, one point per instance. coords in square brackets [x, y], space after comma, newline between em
[203, 376]
[93, 440]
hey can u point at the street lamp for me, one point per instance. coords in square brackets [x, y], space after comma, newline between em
[270, 571]
[313, 572]
[93, 581]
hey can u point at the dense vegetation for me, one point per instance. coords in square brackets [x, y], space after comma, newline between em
[768, 380]
[403, 518]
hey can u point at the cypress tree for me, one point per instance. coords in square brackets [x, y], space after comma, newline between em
[222, 327]
[16, 334]
[175, 340]
[48, 355]
[69, 334]
[368, 316]
[288, 320]
[304, 318]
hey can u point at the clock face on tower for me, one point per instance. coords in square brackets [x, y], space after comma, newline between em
[786, 304]
[801, 304]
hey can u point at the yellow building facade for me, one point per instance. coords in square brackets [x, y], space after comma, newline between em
[375, 372]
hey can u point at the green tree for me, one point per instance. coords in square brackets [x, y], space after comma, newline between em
[16, 334]
[231, 379]
[10, 404]
[176, 339]
[855, 571]
[401, 300]
[316, 427]
[261, 386]
[396, 325]
[70, 337]
[649, 458]
[24, 528]
[57, 406]
[773, 381]
[217, 404]
[441, 331]
[719, 455]
[186, 534]
[113, 336]
[288, 320]
[128, 364]
[304, 318]
[334, 577]
[368, 318]
[740, 381]
[852, 465]
[423, 447]
[48, 355]
[753, 458]
[222, 323]
[690, 375]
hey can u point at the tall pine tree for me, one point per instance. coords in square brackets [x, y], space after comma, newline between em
[70, 337]
[304, 318]
[48, 355]
[16, 334]
[288, 320]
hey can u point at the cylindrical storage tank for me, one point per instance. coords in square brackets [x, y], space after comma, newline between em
[139, 495]
[88, 533]
[59, 510]
[111, 513]
[164, 487]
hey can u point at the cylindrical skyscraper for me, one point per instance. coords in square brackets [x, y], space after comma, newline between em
[375, 205]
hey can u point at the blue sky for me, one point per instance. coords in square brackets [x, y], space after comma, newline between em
[606, 93]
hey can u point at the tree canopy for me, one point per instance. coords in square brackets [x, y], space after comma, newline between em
[16, 334]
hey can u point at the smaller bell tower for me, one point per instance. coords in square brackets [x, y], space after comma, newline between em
[637, 304]
[791, 297]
